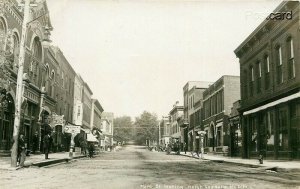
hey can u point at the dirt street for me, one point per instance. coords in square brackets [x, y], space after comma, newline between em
[138, 168]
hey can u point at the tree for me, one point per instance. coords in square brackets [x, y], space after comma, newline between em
[123, 128]
[146, 128]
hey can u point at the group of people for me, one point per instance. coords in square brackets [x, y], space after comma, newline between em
[23, 151]
[87, 148]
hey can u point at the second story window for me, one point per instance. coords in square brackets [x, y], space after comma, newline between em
[258, 77]
[2, 34]
[245, 92]
[291, 61]
[267, 72]
[251, 80]
[279, 65]
[252, 73]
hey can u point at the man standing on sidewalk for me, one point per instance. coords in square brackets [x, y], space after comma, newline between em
[21, 151]
[35, 142]
[46, 145]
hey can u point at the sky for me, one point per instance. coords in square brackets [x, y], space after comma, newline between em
[136, 55]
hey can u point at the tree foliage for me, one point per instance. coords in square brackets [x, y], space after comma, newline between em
[146, 127]
[123, 128]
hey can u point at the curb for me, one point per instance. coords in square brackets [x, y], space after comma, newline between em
[54, 161]
[267, 168]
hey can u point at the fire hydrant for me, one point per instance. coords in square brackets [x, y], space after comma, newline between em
[261, 159]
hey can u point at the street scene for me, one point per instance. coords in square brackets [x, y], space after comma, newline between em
[177, 94]
[137, 167]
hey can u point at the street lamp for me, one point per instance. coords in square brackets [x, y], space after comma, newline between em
[202, 134]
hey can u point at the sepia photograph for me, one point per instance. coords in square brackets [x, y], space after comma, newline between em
[149, 94]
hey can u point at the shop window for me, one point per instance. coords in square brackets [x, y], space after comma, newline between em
[219, 136]
[253, 130]
[283, 130]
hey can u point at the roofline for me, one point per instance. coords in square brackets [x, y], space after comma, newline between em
[89, 89]
[259, 27]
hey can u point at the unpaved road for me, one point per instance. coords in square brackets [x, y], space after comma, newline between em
[134, 167]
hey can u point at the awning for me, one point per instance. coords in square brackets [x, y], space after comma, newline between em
[91, 138]
[271, 104]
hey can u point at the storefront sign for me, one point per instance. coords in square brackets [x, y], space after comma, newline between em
[57, 120]
[72, 129]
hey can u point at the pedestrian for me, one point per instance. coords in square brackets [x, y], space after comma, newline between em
[35, 142]
[184, 147]
[46, 145]
[21, 151]
[91, 149]
[83, 145]
[197, 149]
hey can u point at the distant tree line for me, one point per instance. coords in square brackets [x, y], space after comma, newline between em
[145, 127]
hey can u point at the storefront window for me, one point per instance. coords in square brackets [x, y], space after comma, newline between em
[253, 129]
[270, 131]
[283, 130]
[219, 136]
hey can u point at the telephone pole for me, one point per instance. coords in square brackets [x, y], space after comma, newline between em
[19, 90]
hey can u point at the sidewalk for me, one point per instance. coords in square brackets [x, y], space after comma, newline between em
[39, 160]
[274, 165]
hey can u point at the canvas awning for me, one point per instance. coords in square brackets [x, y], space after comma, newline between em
[274, 103]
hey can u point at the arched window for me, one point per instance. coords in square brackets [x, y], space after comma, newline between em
[36, 59]
[2, 34]
[15, 47]
[46, 79]
[53, 76]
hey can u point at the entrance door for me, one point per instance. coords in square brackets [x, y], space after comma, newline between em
[295, 130]
[6, 123]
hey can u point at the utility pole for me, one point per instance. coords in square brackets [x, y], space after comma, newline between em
[19, 90]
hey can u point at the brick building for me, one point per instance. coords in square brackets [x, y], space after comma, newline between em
[38, 102]
[217, 103]
[270, 84]
[235, 143]
[107, 127]
[87, 106]
[192, 93]
[48, 80]
[174, 115]
[165, 134]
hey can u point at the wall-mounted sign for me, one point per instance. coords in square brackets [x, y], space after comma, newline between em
[72, 129]
[57, 120]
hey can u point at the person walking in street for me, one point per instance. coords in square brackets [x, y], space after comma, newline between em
[35, 142]
[21, 151]
[46, 145]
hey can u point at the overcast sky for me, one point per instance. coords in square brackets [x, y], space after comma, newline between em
[137, 55]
